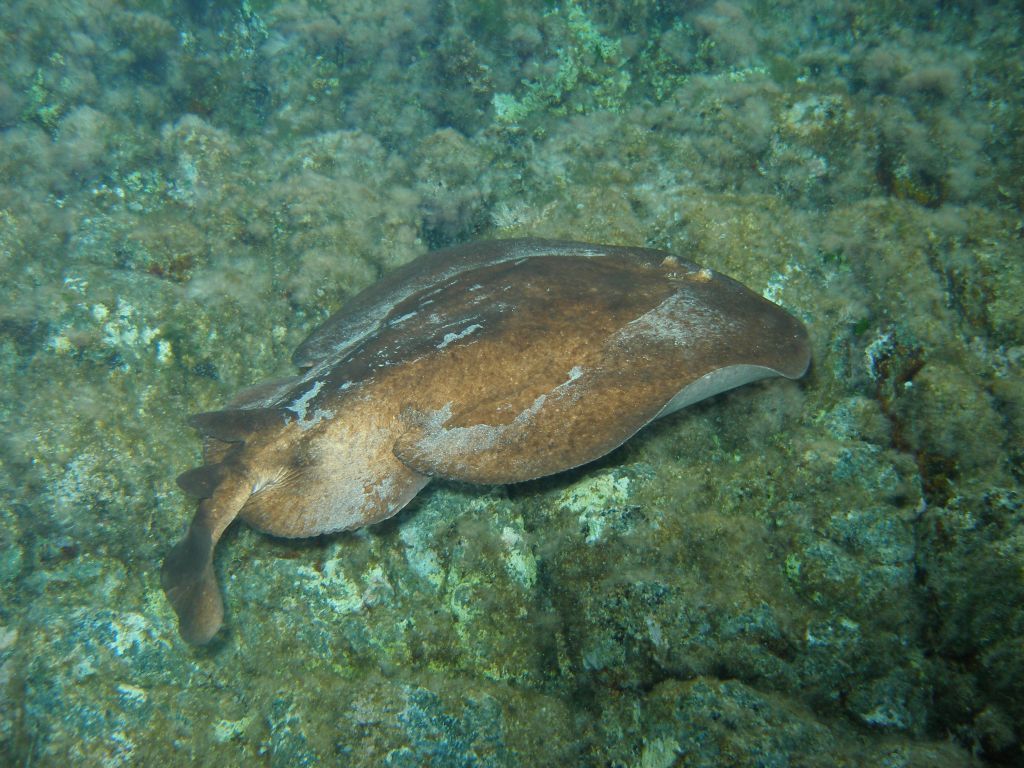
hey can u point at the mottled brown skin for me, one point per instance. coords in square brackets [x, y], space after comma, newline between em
[494, 362]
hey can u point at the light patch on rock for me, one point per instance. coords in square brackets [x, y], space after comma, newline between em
[226, 730]
[423, 559]
[332, 586]
[519, 560]
[132, 693]
[593, 499]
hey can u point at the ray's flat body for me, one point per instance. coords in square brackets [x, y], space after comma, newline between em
[493, 362]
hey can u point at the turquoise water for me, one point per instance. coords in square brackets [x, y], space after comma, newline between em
[814, 573]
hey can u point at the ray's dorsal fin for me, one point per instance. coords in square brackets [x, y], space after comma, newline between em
[262, 393]
[201, 482]
[234, 425]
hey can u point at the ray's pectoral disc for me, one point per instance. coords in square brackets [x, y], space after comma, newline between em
[493, 362]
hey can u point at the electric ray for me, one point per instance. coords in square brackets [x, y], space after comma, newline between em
[493, 362]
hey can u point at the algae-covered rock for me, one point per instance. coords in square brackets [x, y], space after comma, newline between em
[743, 727]
[973, 558]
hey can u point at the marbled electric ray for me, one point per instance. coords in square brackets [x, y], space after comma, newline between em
[492, 362]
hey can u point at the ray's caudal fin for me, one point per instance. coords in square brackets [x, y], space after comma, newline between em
[187, 575]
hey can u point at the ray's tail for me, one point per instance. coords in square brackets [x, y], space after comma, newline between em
[187, 575]
[191, 585]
